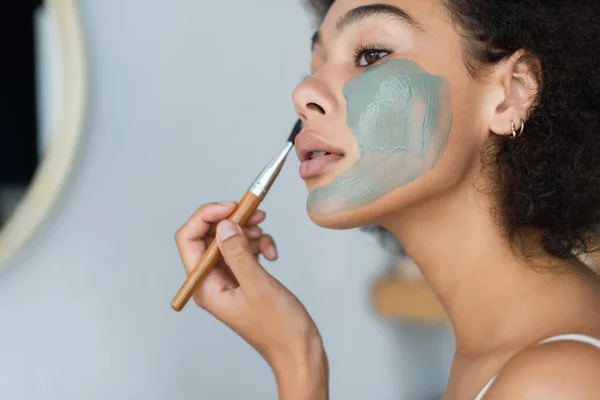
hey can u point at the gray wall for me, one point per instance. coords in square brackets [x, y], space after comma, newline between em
[180, 92]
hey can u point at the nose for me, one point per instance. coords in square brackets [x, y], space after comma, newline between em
[313, 99]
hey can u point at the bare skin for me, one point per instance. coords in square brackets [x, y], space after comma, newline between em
[500, 304]
[241, 294]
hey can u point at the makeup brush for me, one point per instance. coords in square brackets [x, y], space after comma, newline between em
[246, 207]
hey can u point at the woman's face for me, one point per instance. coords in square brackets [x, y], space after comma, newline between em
[394, 108]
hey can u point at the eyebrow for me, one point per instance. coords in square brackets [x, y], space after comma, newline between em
[361, 13]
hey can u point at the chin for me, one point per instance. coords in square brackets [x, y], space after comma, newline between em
[343, 220]
[380, 211]
[335, 221]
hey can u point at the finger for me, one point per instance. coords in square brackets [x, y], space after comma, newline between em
[239, 256]
[188, 237]
[252, 242]
[255, 247]
[259, 243]
[201, 221]
[256, 218]
[253, 232]
[267, 247]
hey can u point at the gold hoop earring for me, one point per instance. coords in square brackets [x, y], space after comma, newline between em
[515, 134]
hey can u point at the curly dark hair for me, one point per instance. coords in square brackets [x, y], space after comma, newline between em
[548, 179]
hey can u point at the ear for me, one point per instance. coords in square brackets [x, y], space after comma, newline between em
[517, 83]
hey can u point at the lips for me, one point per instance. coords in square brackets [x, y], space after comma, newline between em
[315, 155]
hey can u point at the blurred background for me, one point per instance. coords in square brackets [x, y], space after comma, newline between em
[185, 101]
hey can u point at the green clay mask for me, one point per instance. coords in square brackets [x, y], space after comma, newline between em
[401, 117]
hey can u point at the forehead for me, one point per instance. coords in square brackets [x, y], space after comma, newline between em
[426, 13]
[436, 45]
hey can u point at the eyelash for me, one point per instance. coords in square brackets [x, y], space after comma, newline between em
[366, 49]
[358, 53]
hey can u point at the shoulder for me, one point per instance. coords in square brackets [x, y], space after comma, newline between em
[554, 370]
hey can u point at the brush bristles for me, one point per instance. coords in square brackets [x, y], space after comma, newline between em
[295, 131]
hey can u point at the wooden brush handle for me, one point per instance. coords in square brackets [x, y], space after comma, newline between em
[244, 210]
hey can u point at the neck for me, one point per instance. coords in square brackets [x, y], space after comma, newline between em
[490, 294]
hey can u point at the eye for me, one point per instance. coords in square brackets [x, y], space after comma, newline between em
[369, 56]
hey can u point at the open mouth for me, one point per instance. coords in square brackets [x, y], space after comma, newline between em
[316, 154]
[316, 162]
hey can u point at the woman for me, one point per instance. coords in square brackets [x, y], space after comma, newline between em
[470, 130]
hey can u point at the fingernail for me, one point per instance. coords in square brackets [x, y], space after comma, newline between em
[226, 203]
[272, 252]
[226, 229]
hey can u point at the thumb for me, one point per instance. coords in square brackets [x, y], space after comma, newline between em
[237, 253]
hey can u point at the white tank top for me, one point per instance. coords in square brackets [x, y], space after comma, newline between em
[575, 337]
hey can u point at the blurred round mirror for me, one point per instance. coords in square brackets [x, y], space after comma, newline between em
[41, 114]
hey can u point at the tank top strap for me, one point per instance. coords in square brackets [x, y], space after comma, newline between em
[575, 337]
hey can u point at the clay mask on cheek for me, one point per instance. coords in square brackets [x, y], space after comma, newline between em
[401, 117]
